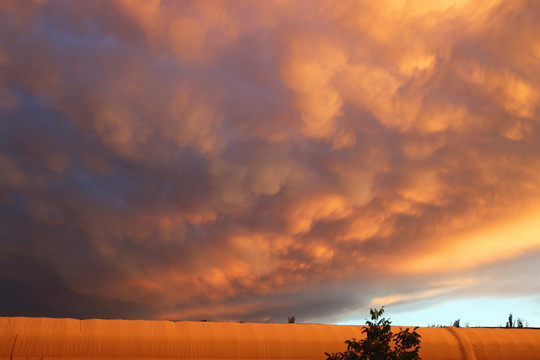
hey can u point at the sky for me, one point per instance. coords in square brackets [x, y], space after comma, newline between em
[253, 160]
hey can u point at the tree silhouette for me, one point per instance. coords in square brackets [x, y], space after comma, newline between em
[510, 323]
[517, 323]
[377, 344]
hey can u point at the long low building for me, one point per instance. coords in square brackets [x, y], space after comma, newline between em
[45, 338]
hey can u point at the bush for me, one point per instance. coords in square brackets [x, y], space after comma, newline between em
[377, 344]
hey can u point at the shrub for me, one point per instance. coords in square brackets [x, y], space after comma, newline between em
[377, 344]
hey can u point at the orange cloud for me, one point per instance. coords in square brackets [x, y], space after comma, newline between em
[241, 160]
[496, 242]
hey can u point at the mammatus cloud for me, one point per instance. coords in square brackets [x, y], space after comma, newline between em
[245, 161]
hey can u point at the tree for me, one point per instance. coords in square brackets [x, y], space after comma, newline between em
[515, 323]
[456, 323]
[291, 319]
[510, 323]
[377, 344]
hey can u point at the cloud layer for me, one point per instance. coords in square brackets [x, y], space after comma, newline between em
[243, 160]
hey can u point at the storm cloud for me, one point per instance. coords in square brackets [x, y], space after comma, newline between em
[239, 160]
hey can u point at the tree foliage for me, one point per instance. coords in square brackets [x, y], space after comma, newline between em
[380, 343]
[516, 323]
[510, 322]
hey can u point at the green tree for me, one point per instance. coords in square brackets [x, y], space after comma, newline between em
[378, 342]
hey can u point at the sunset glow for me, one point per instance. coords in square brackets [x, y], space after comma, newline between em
[251, 160]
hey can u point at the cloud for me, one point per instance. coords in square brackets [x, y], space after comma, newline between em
[239, 161]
